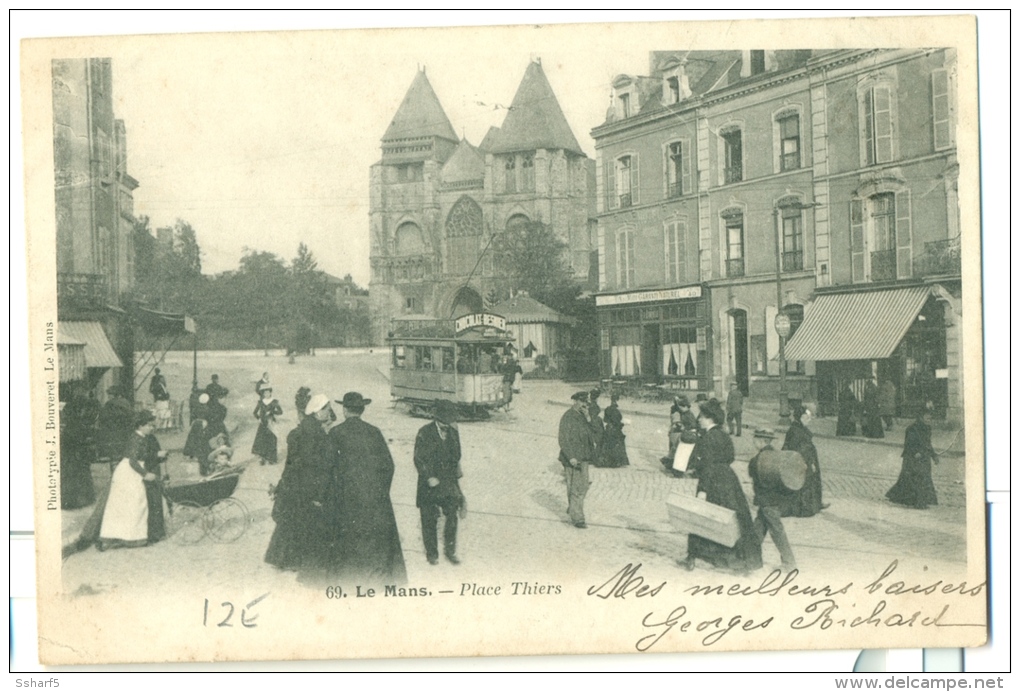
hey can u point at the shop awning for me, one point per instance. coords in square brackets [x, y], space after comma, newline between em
[98, 351]
[156, 323]
[856, 326]
[71, 356]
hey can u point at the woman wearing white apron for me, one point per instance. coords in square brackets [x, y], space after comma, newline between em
[126, 517]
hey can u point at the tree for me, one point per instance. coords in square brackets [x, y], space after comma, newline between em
[529, 256]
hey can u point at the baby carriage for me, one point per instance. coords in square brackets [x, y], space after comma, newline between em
[204, 507]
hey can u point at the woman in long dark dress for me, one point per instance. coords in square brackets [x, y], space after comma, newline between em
[302, 507]
[152, 460]
[710, 464]
[846, 418]
[598, 427]
[871, 416]
[614, 446]
[77, 452]
[807, 502]
[914, 487]
[266, 410]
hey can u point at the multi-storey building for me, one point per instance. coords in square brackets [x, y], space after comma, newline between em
[437, 201]
[738, 185]
[94, 221]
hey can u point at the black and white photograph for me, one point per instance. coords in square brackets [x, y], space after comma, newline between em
[492, 341]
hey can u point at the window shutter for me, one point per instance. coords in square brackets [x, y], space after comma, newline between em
[681, 250]
[669, 242]
[904, 250]
[883, 125]
[685, 168]
[621, 272]
[611, 185]
[600, 184]
[940, 108]
[631, 269]
[634, 189]
[857, 240]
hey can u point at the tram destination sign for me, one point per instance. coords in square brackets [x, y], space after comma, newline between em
[649, 296]
[479, 319]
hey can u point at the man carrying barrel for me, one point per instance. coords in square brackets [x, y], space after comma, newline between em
[770, 495]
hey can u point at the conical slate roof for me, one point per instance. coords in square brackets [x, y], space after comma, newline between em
[420, 114]
[535, 120]
[466, 164]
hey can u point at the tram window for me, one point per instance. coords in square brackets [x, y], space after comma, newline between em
[424, 358]
[466, 360]
[399, 359]
[447, 359]
[411, 357]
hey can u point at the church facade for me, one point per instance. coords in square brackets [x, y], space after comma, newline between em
[437, 201]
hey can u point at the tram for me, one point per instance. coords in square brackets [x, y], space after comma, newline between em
[462, 361]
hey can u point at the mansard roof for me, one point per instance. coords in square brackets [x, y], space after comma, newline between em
[535, 119]
[420, 114]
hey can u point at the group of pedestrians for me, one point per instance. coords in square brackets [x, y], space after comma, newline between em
[875, 411]
[208, 440]
[332, 508]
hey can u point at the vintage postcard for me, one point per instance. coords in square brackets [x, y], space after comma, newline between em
[506, 341]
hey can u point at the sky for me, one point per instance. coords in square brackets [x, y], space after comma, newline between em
[265, 141]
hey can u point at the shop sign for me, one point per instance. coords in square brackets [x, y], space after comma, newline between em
[479, 319]
[649, 296]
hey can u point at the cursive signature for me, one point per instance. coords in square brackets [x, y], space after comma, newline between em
[626, 582]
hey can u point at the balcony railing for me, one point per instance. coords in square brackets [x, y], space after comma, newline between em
[625, 200]
[883, 265]
[793, 261]
[676, 190]
[733, 174]
[941, 257]
[81, 291]
[735, 267]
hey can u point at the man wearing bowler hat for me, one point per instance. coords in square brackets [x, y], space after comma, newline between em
[771, 496]
[369, 543]
[437, 458]
[577, 451]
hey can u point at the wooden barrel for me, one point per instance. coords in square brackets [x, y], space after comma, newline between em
[785, 469]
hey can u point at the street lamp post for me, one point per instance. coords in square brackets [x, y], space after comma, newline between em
[782, 324]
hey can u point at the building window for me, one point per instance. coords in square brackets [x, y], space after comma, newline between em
[625, 269]
[411, 305]
[677, 176]
[528, 172]
[942, 109]
[672, 90]
[510, 174]
[408, 240]
[757, 61]
[733, 156]
[626, 180]
[734, 245]
[880, 237]
[624, 105]
[675, 245]
[877, 124]
[789, 142]
[793, 240]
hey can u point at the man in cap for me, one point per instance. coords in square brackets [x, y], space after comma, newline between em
[369, 543]
[577, 451]
[437, 459]
[215, 390]
[770, 495]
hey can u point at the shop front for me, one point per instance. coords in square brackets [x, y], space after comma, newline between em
[656, 337]
[895, 336]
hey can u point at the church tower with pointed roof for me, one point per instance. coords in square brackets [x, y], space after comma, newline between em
[436, 200]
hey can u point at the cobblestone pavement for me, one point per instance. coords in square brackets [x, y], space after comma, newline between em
[516, 523]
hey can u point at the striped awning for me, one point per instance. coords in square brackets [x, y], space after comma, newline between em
[856, 326]
[98, 351]
[71, 356]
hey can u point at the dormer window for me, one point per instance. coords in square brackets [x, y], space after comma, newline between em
[673, 89]
[624, 105]
[625, 96]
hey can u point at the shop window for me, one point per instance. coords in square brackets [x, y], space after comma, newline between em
[680, 351]
[625, 351]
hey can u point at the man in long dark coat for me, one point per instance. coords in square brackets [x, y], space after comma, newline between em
[437, 459]
[577, 451]
[369, 543]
